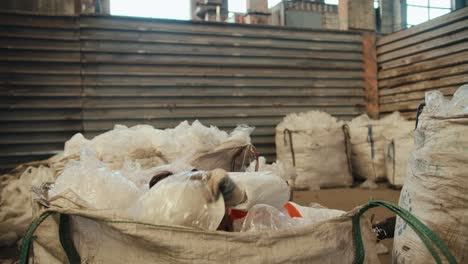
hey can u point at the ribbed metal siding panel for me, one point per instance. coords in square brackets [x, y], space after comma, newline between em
[40, 105]
[62, 75]
[430, 56]
[161, 73]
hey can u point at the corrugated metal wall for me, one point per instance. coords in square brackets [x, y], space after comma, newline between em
[133, 71]
[40, 86]
[433, 55]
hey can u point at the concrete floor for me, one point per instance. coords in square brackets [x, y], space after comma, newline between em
[338, 198]
[348, 198]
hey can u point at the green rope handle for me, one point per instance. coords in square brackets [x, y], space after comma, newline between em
[66, 240]
[64, 233]
[25, 245]
[424, 233]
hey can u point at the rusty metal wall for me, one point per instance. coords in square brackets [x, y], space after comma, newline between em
[134, 71]
[433, 55]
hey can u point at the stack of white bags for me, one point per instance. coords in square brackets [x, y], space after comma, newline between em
[326, 152]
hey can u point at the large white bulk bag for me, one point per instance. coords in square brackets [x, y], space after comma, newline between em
[99, 236]
[436, 187]
[398, 146]
[367, 145]
[315, 143]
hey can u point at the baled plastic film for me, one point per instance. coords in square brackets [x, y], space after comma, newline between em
[180, 200]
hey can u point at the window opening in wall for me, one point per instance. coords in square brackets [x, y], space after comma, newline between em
[174, 9]
[420, 11]
[335, 2]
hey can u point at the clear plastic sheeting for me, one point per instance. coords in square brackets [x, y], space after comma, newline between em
[180, 200]
[262, 217]
[151, 147]
[438, 105]
[284, 170]
[261, 188]
[95, 184]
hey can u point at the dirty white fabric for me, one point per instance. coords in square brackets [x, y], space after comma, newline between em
[436, 187]
[15, 203]
[398, 146]
[320, 150]
[99, 240]
[368, 159]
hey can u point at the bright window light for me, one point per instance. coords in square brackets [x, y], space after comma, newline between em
[433, 12]
[173, 9]
[237, 6]
[420, 11]
[331, 2]
[416, 15]
[272, 3]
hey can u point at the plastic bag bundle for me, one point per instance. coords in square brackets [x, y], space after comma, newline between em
[436, 186]
[179, 200]
[315, 143]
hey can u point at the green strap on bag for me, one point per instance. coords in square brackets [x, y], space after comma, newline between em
[427, 236]
[424, 233]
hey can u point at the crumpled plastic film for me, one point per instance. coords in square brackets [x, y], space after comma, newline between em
[182, 201]
[98, 186]
[438, 105]
[284, 170]
[262, 217]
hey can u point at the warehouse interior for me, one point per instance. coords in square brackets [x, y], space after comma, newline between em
[321, 108]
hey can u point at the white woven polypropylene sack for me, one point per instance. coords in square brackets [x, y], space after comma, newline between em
[318, 143]
[368, 139]
[436, 187]
[101, 237]
[398, 146]
[15, 201]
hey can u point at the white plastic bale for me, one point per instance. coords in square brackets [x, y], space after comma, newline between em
[436, 186]
[320, 150]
